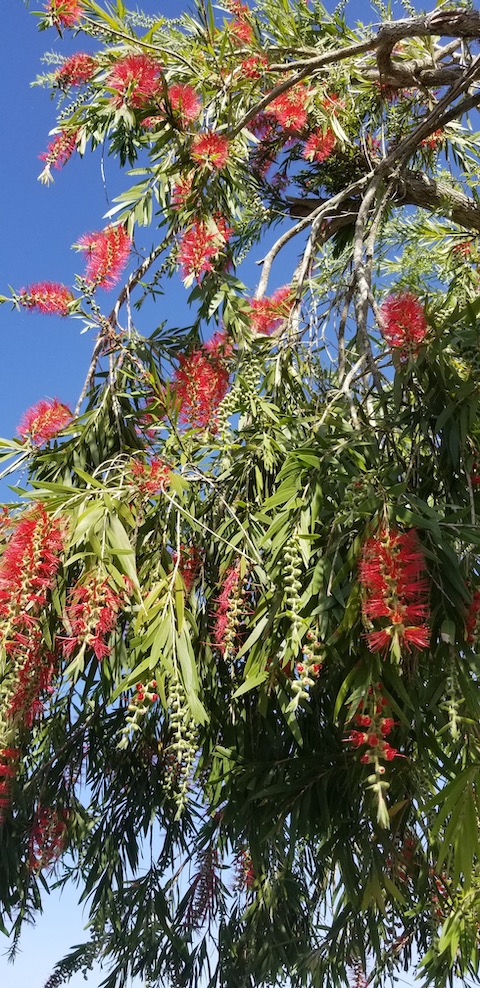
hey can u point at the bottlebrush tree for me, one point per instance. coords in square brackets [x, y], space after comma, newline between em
[240, 594]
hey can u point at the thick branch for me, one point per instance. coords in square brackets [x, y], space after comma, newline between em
[414, 188]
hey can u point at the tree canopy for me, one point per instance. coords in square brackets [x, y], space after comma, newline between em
[240, 592]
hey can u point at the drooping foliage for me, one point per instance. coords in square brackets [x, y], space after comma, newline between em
[240, 595]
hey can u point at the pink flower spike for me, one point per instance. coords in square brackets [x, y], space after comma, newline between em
[403, 324]
[268, 313]
[136, 81]
[76, 70]
[47, 297]
[64, 13]
[60, 149]
[200, 384]
[210, 150]
[201, 245]
[290, 108]
[107, 254]
[184, 102]
[319, 146]
[43, 421]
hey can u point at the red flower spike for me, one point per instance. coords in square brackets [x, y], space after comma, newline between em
[91, 615]
[182, 190]
[210, 150]
[472, 623]
[434, 141]
[152, 477]
[378, 727]
[403, 324]
[240, 31]
[28, 571]
[395, 591]
[47, 838]
[136, 81]
[200, 246]
[60, 149]
[290, 108]
[64, 13]
[200, 383]
[43, 421]
[48, 297]
[9, 763]
[107, 255]
[184, 102]
[76, 70]
[254, 66]
[227, 615]
[236, 7]
[269, 313]
[319, 146]
[189, 564]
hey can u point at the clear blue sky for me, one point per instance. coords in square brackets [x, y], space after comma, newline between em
[44, 356]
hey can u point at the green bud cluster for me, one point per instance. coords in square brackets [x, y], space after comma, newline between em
[292, 571]
[140, 704]
[226, 408]
[183, 748]
[250, 372]
[236, 608]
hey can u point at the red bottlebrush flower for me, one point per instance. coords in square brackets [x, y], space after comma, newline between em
[184, 102]
[9, 760]
[152, 477]
[136, 81]
[290, 108]
[64, 13]
[319, 146]
[245, 874]
[107, 254]
[204, 890]
[403, 324]
[189, 563]
[434, 141]
[269, 313]
[47, 838]
[261, 126]
[182, 190]
[76, 70]
[44, 420]
[240, 31]
[254, 66]
[228, 616]
[33, 679]
[28, 569]
[210, 150]
[60, 149]
[472, 623]
[200, 383]
[394, 590]
[34, 547]
[47, 297]
[378, 726]
[153, 123]
[236, 7]
[464, 248]
[91, 615]
[201, 244]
